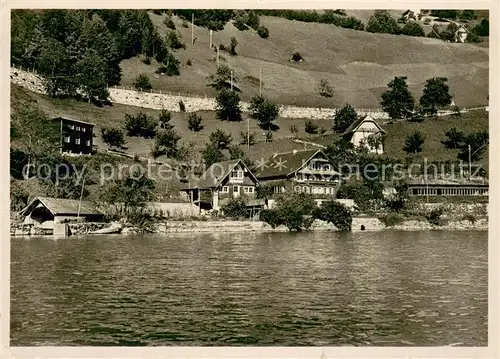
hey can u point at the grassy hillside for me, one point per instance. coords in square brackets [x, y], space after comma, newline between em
[357, 64]
[115, 116]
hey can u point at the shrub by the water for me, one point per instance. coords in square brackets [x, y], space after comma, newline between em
[335, 213]
[392, 219]
[434, 216]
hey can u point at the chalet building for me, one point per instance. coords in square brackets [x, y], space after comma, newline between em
[308, 171]
[45, 212]
[410, 14]
[366, 132]
[447, 188]
[222, 182]
[76, 136]
[461, 34]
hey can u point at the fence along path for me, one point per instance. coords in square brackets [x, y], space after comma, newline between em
[158, 100]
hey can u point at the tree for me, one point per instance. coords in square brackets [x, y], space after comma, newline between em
[172, 39]
[477, 142]
[335, 213]
[381, 21]
[132, 191]
[142, 82]
[263, 32]
[454, 138]
[295, 210]
[324, 88]
[221, 139]
[113, 137]
[414, 142]
[194, 122]
[436, 94]
[93, 76]
[164, 119]
[247, 138]
[342, 153]
[397, 101]
[37, 135]
[466, 15]
[435, 33]
[311, 127]
[237, 153]
[344, 118]
[228, 105]
[140, 125]
[221, 79]
[234, 42]
[166, 142]
[264, 111]
[483, 28]
[449, 33]
[171, 65]
[413, 28]
[212, 154]
[445, 14]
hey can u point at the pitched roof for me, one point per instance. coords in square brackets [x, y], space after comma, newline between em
[73, 120]
[355, 125]
[216, 173]
[283, 164]
[58, 206]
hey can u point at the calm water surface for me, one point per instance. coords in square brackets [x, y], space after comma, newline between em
[311, 289]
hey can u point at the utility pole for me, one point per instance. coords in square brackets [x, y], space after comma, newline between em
[470, 165]
[192, 28]
[231, 80]
[260, 81]
[248, 133]
[217, 56]
[210, 39]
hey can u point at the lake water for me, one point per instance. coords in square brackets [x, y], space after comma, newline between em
[385, 288]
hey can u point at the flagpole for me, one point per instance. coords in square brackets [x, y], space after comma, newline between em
[192, 28]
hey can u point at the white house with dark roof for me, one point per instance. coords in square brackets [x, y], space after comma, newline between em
[461, 34]
[366, 132]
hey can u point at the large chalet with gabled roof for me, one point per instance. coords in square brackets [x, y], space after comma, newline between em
[222, 182]
[308, 171]
[366, 132]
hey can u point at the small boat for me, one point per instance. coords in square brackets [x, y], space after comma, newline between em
[114, 228]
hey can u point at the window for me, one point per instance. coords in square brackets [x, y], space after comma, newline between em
[66, 139]
[237, 174]
[236, 188]
[71, 127]
[250, 189]
[77, 141]
[245, 189]
[84, 129]
[88, 143]
[78, 128]
[225, 189]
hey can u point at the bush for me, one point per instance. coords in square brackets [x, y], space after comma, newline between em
[169, 22]
[473, 38]
[221, 139]
[469, 217]
[228, 105]
[173, 40]
[142, 82]
[113, 137]
[194, 122]
[297, 57]
[189, 62]
[434, 216]
[413, 28]
[271, 217]
[295, 210]
[324, 88]
[335, 213]
[269, 136]
[146, 60]
[263, 32]
[182, 107]
[310, 127]
[235, 208]
[234, 43]
[392, 219]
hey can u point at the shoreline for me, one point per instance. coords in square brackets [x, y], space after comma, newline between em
[370, 224]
